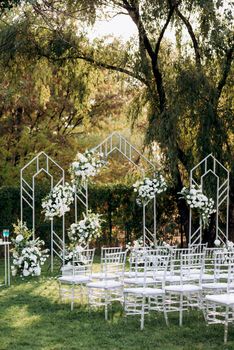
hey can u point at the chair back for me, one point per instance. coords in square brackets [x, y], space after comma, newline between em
[108, 250]
[83, 261]
[198, 248]
[209, 267]
[137, 261]
[221, 264]
[114, 263]
[192, 267]
[175, 260]
[230, 260]
[157, 265]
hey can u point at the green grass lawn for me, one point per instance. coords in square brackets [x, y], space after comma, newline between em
[32, 317]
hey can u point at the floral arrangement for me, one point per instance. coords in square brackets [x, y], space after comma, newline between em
[58, 201]
[86, 165]
[137, 244]
[72, 251]
[28, 254]
[229, 246]
[86, 229]
[217, 243]
[197, 200]
[148, 188]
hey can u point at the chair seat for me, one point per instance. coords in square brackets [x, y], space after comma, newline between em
[145, 291]
[223, 275]
[104, 276]
[207, 277]
[77, 279]
[223, 299]
[172, 278]
[194, 271]
[67, 270]
[133, 274]
[183, 288]
[139, 280]
[107, 284]
[214, 285]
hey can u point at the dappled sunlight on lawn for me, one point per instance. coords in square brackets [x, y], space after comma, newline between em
[34, 318]
[26, 318]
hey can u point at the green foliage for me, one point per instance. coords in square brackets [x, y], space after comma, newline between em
[115, 202]
[182, 93]
[8, 4]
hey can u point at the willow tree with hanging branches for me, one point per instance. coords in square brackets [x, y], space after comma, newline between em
[184, 87]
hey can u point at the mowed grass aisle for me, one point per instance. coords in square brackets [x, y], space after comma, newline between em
[32, 317]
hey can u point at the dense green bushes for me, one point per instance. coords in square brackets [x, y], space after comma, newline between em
[123, 217]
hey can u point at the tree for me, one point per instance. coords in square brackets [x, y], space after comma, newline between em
[51, 104]
[186, 91]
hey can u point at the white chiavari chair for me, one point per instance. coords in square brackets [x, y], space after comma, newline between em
[103, 292]
[220, 307]
[72, 286]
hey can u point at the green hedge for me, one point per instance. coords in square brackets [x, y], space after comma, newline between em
[123, 217]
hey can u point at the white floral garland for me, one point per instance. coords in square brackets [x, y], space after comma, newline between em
[58, 201]
[137, 244]
[86, 229]
[28, 254]
[85, 166]
[72, 251]
[148, 188]
[197, 200]
[229, 246]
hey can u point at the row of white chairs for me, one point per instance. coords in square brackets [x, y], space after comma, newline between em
[161, 279]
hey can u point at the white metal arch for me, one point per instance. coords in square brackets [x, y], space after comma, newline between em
[42, 163]
[210, 165]
[116, 142]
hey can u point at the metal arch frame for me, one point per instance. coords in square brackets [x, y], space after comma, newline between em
[27, 196]
[117, 142]
[222, 196]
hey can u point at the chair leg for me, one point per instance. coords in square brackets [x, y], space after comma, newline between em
[226, 325]
[72, 298]
[124, 302]
[181, 309]
[60, 291]
[165, 311]
[106, 305]
[143, 313]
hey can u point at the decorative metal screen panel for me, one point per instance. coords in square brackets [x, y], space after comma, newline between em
[212, 169]
[116, 142]
[42, 163]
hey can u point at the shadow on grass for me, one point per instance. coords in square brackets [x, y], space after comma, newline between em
[32, 317]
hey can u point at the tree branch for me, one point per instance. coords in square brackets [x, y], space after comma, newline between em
[169, 16]
[227, 67]
[192, 36]
[99, 64]
[135, 16]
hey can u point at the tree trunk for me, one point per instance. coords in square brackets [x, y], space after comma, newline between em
[182, 207]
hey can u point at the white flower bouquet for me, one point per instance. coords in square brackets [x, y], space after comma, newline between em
[86, 229]
[197, 200]
[85, 166]
[148, 188]
[229, 246]
[28, 255]
[58, 201]
[71, 251]
[137, 244]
